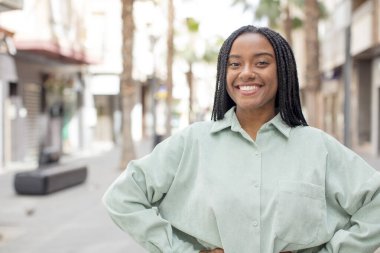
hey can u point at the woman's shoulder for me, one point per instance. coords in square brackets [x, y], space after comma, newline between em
[195, 129]
[199, 126]
[311, 132]
[308, 132]
[313, 135]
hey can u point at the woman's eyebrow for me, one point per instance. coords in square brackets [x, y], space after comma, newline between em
[234, 56]
[255, 55]
[263, 54]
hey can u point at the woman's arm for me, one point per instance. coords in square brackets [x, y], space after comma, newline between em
[353, 197]
[132, 200]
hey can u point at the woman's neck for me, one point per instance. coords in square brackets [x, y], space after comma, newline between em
[251, 121]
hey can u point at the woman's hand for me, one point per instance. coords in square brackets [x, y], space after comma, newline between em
[217, 250]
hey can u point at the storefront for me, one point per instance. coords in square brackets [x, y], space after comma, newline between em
[10, 109]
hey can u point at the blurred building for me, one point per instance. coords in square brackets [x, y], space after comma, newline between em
[48, 107]
[350, 46]
[8, 81]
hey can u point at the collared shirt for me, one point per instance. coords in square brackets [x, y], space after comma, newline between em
[210, 185]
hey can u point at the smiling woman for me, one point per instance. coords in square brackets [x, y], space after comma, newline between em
[254, 179]
[252, 80]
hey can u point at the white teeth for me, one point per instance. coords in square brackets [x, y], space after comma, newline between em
[248, 88]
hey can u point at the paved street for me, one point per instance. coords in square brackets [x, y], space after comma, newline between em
[71, 220]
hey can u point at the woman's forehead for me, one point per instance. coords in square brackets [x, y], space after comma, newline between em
[251, 42]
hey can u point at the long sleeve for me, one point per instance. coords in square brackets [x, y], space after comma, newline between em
[133, 199]
[353, 194]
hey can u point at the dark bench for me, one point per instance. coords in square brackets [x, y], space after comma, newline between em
[49, 179]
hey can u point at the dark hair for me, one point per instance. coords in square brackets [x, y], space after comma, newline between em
[287, 97]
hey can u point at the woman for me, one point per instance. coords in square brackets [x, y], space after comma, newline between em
[257, 178]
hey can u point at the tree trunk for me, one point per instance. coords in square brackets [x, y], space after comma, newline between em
[127, 86]
[169, 66]
[189, 77]
[312, 74]
[288, 24]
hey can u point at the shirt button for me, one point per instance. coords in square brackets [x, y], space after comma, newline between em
[257, 153]
[255, 223]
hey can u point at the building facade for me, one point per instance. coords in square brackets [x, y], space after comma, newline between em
[8, 83]
[350, 64]
[48, 109]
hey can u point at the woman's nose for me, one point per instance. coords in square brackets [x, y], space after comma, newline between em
[247, 74]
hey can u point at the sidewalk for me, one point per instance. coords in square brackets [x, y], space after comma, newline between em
[68, 221]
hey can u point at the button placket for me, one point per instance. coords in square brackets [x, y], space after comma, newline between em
[255, 184]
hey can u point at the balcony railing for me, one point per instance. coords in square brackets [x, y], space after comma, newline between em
[362, 28]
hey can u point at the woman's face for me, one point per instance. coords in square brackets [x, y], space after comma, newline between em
[252, 74]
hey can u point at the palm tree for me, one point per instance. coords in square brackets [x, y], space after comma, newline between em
[127, 86]
[169, 66]
[312, 74]
[272, 10]
[192, 28]
[210, 56]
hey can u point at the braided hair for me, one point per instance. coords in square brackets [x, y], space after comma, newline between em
[287, 97]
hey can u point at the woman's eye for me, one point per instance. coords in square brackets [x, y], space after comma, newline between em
[233, 64]
[262, 63]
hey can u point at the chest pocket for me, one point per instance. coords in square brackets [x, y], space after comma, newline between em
[300, 212]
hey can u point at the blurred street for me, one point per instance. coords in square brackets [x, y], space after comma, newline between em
[77, 75]
[68, 221]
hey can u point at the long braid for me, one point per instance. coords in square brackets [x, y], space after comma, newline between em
[289, 103]
[222, 101]
[287, 97]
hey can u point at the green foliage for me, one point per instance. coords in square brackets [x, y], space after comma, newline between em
[211, 55]
[212, 50]
[299, 3]
[272, 10]
[323, 13]
[269, 9]
[297, 22]
[192, 25]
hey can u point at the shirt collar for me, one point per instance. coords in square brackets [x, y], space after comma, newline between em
[225, 122]
[230, 120]
[280, 125]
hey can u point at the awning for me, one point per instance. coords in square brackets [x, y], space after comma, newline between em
[54, 51]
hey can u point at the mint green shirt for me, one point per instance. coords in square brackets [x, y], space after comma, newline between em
[211, 185]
